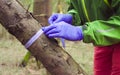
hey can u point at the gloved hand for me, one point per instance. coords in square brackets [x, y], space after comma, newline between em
[55, 18]
[63, 30]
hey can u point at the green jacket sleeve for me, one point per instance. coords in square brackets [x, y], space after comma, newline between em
[102, 33]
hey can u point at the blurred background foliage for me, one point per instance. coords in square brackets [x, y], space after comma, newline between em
[82, 53]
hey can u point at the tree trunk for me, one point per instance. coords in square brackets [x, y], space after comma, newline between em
[23, 26]
[42, 10]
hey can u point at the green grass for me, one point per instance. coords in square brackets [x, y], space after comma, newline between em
[12, 53]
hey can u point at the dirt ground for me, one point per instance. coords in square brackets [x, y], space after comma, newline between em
[12, 53]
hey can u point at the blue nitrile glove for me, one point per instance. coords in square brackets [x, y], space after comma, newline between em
[63, 30]
[55, 18]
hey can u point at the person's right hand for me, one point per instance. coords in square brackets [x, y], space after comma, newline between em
[63, 30]
[55, 18]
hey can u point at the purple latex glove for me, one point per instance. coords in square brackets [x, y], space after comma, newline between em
[55, 18]
[63, 30]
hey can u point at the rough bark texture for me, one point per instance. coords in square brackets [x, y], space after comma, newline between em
[42, 10]
[23, 26]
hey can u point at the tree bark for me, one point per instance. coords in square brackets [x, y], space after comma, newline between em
[23, 26]
[42, 10]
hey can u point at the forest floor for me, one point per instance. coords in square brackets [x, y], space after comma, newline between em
[12, 53]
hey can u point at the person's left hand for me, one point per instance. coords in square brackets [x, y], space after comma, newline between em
[55, 18]
[63, 30]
